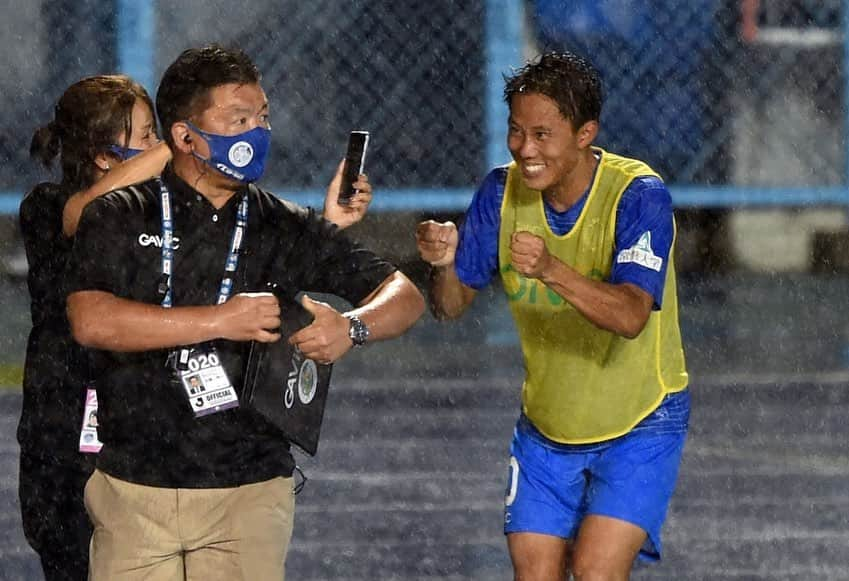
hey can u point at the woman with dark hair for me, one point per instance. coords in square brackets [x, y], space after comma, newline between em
[98, 123]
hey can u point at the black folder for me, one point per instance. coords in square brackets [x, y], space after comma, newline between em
[285, 387]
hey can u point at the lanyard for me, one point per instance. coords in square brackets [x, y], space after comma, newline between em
[168, 245]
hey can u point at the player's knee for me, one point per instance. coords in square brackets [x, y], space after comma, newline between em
[537, 557]
[539, 575]
[587, 569]
[539, 570]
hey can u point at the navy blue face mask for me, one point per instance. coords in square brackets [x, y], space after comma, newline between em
[241, 157]
[124, 153]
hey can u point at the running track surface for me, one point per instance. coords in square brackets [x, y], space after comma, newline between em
[410, 475]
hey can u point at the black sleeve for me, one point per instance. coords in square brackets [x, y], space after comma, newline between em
[100, 255]
[322, 258]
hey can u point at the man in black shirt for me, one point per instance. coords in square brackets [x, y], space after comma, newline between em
[163, 277]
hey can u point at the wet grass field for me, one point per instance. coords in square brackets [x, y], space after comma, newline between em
[409, 479]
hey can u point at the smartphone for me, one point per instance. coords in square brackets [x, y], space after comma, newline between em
[355, 159]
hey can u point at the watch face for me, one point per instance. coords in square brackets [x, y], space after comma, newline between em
[358, 332]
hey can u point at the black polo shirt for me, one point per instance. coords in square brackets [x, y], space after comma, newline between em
[149, 432]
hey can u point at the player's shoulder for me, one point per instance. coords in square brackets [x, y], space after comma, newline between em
[491, 189]
[629, 166]
[647, 189]
[496, 178]
[646, 201]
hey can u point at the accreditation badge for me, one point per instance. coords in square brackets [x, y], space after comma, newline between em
[89, 442]
[205, 381]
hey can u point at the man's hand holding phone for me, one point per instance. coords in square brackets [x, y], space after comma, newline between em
[349, 193]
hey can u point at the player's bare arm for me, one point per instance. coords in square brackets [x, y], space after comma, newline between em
[623, 309]
[437, 244]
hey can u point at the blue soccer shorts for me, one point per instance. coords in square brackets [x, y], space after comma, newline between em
[551, 487]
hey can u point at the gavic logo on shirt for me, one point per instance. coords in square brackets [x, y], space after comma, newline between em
[641, 253]
[156, 240]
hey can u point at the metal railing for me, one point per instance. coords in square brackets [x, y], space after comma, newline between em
[433, 82]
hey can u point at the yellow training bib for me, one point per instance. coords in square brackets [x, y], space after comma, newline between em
[583, 384]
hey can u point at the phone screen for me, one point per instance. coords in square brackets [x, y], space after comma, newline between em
[355, 158]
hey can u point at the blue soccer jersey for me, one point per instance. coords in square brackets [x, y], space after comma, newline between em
[644, 217]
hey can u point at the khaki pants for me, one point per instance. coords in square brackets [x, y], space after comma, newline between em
[168, 534]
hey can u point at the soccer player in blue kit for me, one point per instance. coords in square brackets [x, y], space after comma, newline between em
[583, 241]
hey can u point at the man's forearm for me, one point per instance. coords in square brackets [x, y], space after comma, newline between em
[622, 309]
[449, 297]
[392, 309]
[103, 321]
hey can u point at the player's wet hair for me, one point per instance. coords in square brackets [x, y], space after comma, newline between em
[567, 79]
[90, 116]
[184, 91]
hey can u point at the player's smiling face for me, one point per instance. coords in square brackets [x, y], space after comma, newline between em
[543, 142]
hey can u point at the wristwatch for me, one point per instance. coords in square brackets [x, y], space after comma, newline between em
[357, 332]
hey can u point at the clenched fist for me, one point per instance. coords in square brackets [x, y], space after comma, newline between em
[437, 242]
[528, 254]
[325, 339]
[250, 316]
